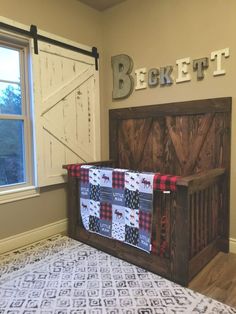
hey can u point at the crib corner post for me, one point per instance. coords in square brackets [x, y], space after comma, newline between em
[180, 237]
[224, 214]
[72, 205]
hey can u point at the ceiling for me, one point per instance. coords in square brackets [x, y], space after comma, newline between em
[101, 5]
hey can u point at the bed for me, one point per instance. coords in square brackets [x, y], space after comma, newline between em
[190, 225]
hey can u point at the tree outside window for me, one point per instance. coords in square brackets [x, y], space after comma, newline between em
[13, 117]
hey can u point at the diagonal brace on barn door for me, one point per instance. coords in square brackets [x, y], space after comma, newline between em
[58, 134]
[67, 89]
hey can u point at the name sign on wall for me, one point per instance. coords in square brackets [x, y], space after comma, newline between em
[124, 82]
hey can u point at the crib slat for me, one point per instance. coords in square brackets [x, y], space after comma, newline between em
[158, 219]
[180, 238]
[216, 206]
[200, 219]
[164, 201]
[168, 213]
[204, 217]
[213, 213]
[191, 227]
[210, 216]
[197, 220]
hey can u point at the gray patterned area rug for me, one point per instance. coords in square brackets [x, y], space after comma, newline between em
[62, 276]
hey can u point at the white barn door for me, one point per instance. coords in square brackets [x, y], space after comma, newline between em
[67, 111]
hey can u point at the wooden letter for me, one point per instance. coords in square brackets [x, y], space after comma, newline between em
[183, 74]
[199, 65]
[218, 54]
[140, 78]
[153, 77]
[122, 80]
[165, 78]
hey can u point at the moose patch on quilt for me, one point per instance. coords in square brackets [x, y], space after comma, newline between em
[117, 203]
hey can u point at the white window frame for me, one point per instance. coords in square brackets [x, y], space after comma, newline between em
[34, 95]
[28, 189]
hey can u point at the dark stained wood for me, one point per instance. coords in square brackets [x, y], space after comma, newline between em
[126, 252]
[182, 138]
[72, 203]
[180, 238]
[198, 179]
[113, 134]
[190, 139]
[134, 136]
[198, 142]
[179, 145]
[178, 108]
[202, 258]
[224, 214]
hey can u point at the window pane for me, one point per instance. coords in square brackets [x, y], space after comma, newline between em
[9, 64]
[10, 99]
[12, 164]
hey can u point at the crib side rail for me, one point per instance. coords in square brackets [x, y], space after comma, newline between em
[200, 180]
[196, 222]
[105, 163]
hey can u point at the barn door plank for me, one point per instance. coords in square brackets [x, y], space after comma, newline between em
[66, 92]
[57, 133]
[66, 89]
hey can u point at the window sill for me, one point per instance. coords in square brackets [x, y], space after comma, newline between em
[18, 194]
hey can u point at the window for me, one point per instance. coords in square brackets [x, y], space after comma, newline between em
[16, 149]
[49, 109]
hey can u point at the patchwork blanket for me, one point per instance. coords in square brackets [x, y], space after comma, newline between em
[117, 203]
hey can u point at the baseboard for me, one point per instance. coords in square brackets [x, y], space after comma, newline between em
[25, 238]
[232, 245]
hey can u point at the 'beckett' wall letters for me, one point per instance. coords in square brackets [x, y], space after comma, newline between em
[123, 81]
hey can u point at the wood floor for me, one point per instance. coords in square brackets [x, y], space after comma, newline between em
[218, 279]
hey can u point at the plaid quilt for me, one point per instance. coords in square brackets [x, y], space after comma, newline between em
[117, 203]
[73, 170]
[165, 182]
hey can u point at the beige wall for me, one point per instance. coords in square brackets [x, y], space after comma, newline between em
[158, 32]
[74, 21]
[24, 215]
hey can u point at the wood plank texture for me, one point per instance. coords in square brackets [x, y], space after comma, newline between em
[190, 139]
[181, 138]
[218, 279]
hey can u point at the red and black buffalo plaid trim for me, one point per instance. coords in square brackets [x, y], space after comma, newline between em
[106, 211]
[73, 170]
[84, 175]
[118, 180]
[164, 182]
[145, 220]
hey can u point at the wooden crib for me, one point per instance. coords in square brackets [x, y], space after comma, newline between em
[190, 226]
